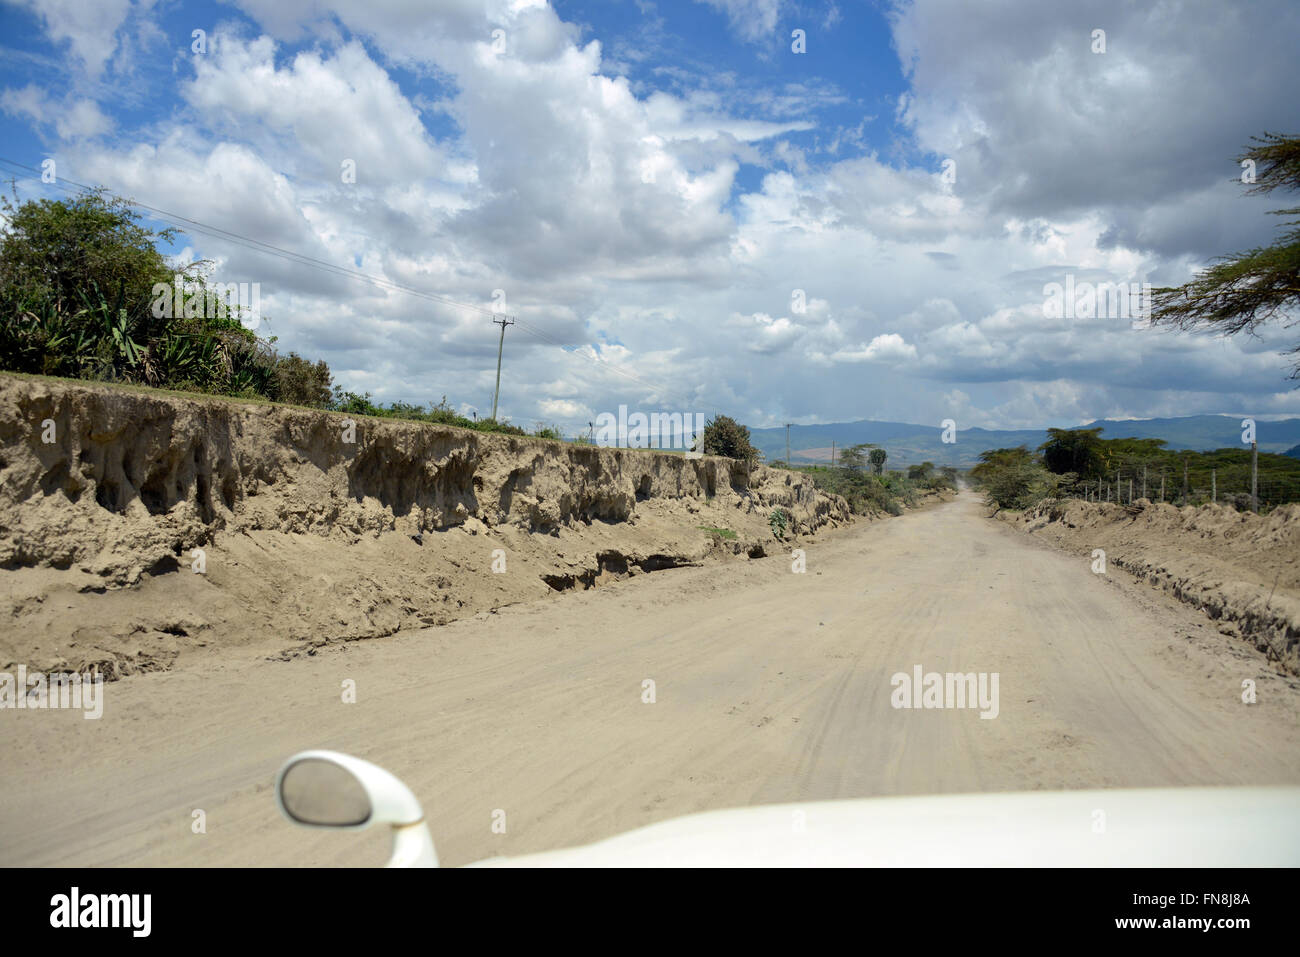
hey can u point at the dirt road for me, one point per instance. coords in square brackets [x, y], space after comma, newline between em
[769, 686]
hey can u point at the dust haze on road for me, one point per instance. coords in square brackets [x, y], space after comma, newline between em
[769, 686]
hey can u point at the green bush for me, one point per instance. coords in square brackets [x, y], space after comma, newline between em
[492, 425]
[1015, 486]
[725, 436]
[350, 402]
[543, 431]
[77, 283]
[866, 492]
[300, 382]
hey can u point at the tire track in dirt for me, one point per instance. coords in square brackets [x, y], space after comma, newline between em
[770, 686]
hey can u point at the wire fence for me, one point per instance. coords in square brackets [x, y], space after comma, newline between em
[1224, 487]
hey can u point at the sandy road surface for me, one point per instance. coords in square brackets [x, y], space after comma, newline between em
[770, 687]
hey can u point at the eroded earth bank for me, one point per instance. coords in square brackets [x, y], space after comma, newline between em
[1241, 569]
[310, 532]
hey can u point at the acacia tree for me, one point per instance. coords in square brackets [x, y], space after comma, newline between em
[1011, 478]
[1075, 450]
[854, 457]
[1242, 291]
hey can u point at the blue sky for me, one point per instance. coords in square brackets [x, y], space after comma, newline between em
[683, 212]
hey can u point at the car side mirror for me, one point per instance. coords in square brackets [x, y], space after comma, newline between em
[336, 790]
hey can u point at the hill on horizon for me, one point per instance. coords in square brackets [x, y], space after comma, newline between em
[909, 443]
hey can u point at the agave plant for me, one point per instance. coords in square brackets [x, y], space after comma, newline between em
[116, 327]
[36, 336]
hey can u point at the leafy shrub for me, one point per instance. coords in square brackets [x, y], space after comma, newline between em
[543, 431]
[300, 382]
[865, 492]
[77, 283]
[346, 401]
[492, 425]
[1017, 486]
[440, 414]
[725, 436]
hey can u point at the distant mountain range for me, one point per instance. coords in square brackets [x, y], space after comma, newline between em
[908, 444]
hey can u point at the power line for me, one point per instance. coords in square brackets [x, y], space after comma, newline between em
[256, 245]
[653, 386]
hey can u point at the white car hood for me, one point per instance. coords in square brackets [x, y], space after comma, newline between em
[1167, 827]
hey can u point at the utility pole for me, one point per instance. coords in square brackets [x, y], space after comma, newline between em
[832, 453]
[1144, 481]
[1214, 485]
[787, 445]
[1184, 480]
[502, 322]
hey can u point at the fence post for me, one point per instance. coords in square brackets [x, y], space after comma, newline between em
[1130, 490]
[1254, 477]
[1162, 487]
